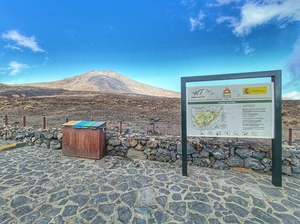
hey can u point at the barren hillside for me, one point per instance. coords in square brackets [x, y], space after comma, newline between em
[106, 81]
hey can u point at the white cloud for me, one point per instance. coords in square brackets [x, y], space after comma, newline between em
[226, 2]
[222, 2]
[293, 64]
[13, 47]
[197, 22]
[294, 95]
[230, 19]
[15, 67]
[2, 71]
[254, 14]
[46, 59]
[188, 3]
[247, 49]
[22, 41]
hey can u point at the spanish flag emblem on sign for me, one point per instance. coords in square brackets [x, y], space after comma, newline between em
[255, 90]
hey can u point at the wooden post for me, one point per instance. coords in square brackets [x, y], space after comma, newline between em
[6, 120]
[290, 136]
[24, 121]
[44, 123]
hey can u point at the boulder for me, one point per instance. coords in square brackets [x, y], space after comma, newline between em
[55, 144]
[201, 161]
[133, 142]
[139, 147]
[296, 169]
[295, 160]
[209, 149]
[173, 147]
[253, 163]
[296, 153]
[19, 137]
[190, 149]
[163, 155]
[164, 145]
[285, 154]
[266, 162]
[37, 134]
[152, 144]
[173, 156]
[134, 154]
[114, 141]
[204, 154]
[258, 154]
[220, 154]
[243, 152]
[125, 143]
[287, 170]
[220, 165]
[196, 155]
[235, 161]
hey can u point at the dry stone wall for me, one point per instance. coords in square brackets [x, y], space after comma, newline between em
[214, 153]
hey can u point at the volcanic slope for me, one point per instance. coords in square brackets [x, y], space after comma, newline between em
[106, 81]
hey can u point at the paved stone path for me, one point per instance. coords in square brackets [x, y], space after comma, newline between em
[38, 185]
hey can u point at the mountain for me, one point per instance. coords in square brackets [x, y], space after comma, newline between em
[105, 81]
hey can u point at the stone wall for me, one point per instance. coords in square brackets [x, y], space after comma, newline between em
[215, 153]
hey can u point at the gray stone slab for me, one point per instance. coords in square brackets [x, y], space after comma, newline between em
[129, 198]
[287, 218]
[264, 216]
[271, 191]
[161, 216]
[80, 199]
[70, 210]
[200, 207]
[75, 190]
[89, 214]
[124, 214]
[196, 218]
[106, 209]
[237, 209]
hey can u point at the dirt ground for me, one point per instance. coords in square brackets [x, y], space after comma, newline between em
[135, 109]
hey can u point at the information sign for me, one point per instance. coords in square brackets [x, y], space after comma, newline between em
[231, 111]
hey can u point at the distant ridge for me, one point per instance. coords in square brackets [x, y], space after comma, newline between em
[106, 81]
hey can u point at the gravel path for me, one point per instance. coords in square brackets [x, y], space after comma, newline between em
[38, 185]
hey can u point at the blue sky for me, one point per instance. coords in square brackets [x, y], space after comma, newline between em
[154, 42]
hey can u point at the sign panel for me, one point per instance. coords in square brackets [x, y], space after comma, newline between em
[245, 111]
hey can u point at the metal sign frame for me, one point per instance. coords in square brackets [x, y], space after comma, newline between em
[276, 141]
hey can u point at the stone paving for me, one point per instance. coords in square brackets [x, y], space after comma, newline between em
[38, 185]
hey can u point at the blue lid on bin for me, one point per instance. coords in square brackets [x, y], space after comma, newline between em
[88, 125]
[80, 124]
[99, 124]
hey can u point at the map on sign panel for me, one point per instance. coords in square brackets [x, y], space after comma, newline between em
[229, 111]
[208, 117]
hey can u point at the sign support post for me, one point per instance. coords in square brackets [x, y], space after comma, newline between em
[276, 141]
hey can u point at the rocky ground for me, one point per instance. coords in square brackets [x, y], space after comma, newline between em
[59, 104]
[91, 105]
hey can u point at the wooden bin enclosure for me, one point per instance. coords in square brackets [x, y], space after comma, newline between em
[84, 139]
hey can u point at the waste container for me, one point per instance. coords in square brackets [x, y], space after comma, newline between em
[84, 139]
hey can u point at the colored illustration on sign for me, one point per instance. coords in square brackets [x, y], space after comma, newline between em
[231, 111]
